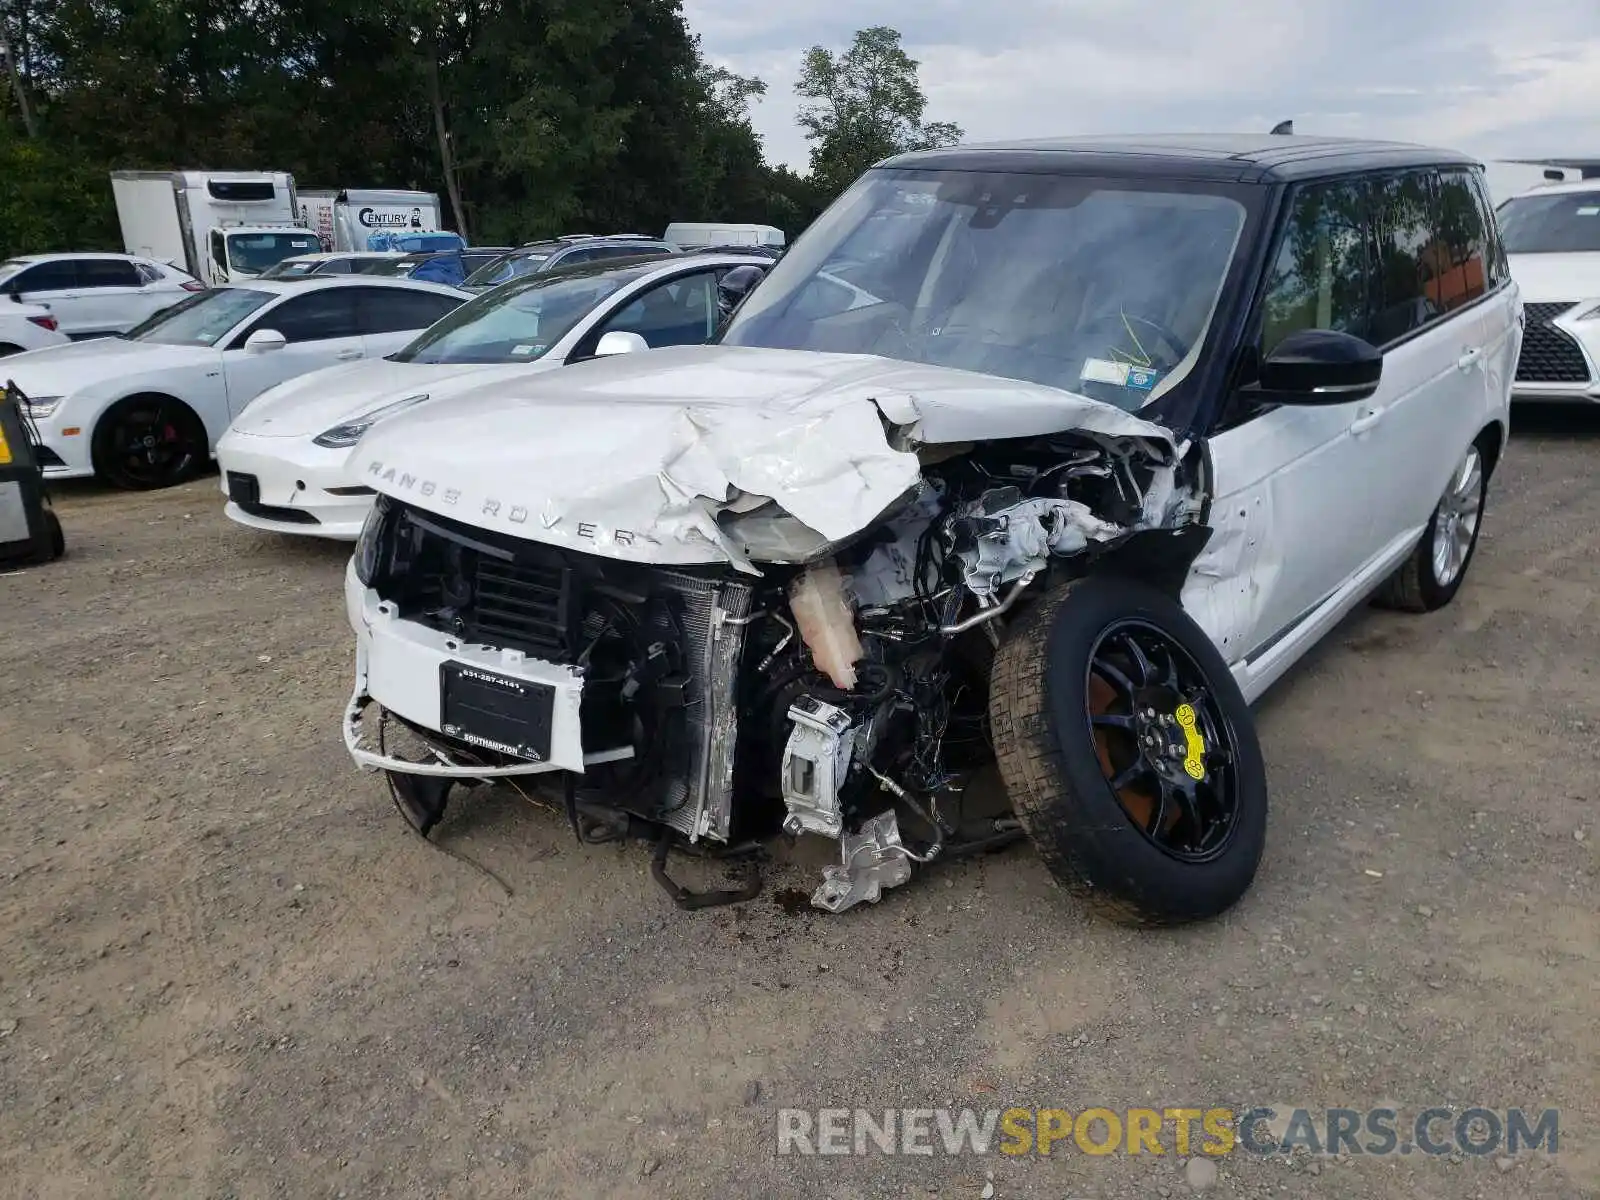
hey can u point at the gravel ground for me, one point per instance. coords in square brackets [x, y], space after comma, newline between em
[226, 969]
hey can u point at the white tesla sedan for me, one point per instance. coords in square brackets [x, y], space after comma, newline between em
[145, 409]
[284, 458]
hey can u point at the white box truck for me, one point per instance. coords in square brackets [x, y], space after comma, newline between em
[350, 219]
[220, 226]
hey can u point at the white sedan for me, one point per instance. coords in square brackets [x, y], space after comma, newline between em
[145, 409]
[284, 458]
[92, 295]
[28, 327]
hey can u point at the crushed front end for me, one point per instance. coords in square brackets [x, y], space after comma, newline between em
[827, 688]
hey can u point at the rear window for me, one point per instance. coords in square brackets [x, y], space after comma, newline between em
[1562, 223]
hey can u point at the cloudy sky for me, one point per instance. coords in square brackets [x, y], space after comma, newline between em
[1492, 77]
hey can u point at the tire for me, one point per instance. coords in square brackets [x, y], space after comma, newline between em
[1429, 579]
[1047, 680]
[148, 442]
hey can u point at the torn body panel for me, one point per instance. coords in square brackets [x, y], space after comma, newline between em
[635, 458]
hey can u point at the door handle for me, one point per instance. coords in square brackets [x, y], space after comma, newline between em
[348, 355]
[1470, 358]
[1366, 421]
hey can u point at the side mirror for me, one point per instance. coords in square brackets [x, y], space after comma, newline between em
[619, 341]
[1321, 366]
[264, 341]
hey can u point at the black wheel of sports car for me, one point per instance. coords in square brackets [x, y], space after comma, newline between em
[1432, 576]
[148, 442]
[1129, 753]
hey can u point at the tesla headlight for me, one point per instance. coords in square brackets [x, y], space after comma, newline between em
[42, 406]
[348, 433]
[369, 543]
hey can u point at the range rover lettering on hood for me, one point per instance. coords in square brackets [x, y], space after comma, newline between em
[637, 456]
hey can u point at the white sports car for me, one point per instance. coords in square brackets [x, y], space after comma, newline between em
[144, 409]
[284, 458]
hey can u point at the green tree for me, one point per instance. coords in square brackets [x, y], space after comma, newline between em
[865, 105]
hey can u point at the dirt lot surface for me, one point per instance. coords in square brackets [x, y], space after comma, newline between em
[227, 969]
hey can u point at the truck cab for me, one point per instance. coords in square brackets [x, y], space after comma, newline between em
[243, 252]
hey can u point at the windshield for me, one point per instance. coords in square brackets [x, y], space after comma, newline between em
[201, 319]
[253, 253]
[517, 323]
[1562, 223]
[1102, 287]
[391, 265]
[292, 268]
[507, 266]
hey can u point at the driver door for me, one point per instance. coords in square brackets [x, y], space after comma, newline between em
[1297, 487]
[321, 328]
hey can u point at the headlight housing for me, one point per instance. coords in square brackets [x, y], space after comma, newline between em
[369, 544]
[42, 406]
[348, 433]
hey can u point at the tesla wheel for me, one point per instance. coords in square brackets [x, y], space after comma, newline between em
[1432, 576]
[147, 442]
[1129, 753]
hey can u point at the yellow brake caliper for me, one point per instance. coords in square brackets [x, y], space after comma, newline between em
[1194, 761]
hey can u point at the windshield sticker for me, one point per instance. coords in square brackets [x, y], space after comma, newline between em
[1119, 374]
[1103, 370]
[1589, 210]
[1142, 379]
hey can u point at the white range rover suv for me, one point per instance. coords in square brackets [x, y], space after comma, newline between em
[1054, 454]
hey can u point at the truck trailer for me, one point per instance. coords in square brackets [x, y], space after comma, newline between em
[220, 226]
[356, 219]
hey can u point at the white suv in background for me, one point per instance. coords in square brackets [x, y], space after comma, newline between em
[95, 294]
[1552, 235]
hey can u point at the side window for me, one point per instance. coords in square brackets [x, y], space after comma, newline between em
[315, 316]
[334, 266]
[577, 256]
[681, 312]
[147, 273]
[1406, 246]
[1321, 276]
[1499, 268]
[1460, 252]
[58, 276]
[392, 310]
[107, 272]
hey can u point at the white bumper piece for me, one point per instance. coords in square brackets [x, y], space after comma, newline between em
[399, 664]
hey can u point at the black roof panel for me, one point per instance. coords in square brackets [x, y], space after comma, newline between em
[1238, 158]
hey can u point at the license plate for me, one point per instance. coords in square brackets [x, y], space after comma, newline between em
[496, 712]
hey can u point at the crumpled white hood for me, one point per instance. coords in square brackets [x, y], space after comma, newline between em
[632, 456]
